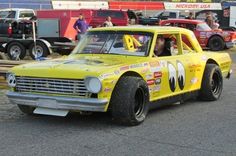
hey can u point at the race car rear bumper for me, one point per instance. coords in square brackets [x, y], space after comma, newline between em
[58, 102]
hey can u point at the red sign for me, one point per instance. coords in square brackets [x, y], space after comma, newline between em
[151, 82]
[157, 74]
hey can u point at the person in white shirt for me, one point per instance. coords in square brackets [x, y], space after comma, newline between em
[108, 22]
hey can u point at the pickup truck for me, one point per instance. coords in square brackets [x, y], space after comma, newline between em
[16, 14]
[162, 15]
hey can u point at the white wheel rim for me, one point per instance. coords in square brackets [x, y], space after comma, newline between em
[15, 51]
[39, 51]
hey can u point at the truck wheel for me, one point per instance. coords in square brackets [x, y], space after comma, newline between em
[16, 51]
[216, 43]
[212, 83]
[129, 102]
[41, 50]
[26, 109]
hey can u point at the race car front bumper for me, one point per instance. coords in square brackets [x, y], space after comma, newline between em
[230, 44]
[58, 102]
[229, 74]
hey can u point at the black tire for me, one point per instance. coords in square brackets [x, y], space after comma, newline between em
[41, 49]
[129, 102]
[212, 83]
[16, 51]
[216, 43]
[26, 109]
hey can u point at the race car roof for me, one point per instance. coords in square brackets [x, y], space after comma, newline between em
[153, 29]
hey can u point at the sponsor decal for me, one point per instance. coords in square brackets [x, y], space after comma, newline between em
[156, 88]
[157, 81]
[163, 64]
[136, 66]
[107, 90]
[145, 64]
[194, 80]
[204, 58]
[116, 72]
[149, 76]
[195, 67]
[154, 64]
[103, 76]
[155, 69]
[157, 74]
[145, 70]
[124, 68]
[151, 82]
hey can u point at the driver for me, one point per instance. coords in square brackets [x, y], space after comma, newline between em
[160, 46]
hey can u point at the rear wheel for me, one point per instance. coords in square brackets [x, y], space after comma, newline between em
[212, 83]
[26, 109]
[16, 51]
[216, 43]
[41, 50]
[130, 100]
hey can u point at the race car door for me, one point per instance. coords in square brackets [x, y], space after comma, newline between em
[179, 69]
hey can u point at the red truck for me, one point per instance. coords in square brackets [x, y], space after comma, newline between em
[214, 40]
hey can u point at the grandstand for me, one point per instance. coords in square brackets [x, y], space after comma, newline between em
[32, 4]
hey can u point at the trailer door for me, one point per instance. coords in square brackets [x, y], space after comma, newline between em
[232, 21]
[48, 28]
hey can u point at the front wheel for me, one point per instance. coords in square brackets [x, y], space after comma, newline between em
[129, 102]
[212, 83]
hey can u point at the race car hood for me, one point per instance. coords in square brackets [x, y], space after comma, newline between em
[74, 67]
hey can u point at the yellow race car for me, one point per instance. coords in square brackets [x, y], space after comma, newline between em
[123, 70]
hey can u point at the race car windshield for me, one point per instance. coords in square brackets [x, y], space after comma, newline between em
[203, 27]
[111, 42]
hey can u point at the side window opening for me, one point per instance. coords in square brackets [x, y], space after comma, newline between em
[165, 45]
[187, 46]
[24, 14]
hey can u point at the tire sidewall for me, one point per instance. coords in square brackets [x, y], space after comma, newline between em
[220, 42]
[206, 93]
[20, 46]
[123, 100]
[144, 87]
[217, 70]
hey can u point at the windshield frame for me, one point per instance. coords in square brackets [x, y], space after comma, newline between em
[126, 32]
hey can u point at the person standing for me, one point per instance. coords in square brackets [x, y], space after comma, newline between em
[108, 22]
[190, 16]
[81, 27]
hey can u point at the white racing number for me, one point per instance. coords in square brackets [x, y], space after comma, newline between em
[172, 76]
[175, 75]
[181, 75]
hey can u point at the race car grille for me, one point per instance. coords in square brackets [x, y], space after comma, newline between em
[51, 86]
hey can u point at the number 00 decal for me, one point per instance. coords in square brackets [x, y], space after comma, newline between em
[181, 75]
[173, 75]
